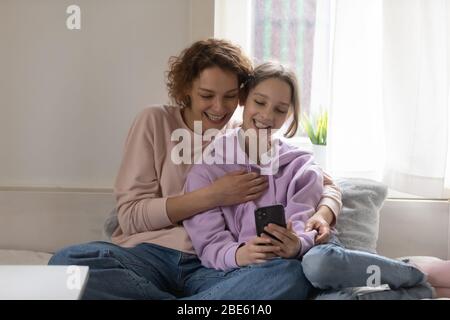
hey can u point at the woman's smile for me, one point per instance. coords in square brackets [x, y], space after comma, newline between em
[216, 119]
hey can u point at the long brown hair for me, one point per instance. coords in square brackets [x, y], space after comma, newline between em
[186, 67]
[276, 70]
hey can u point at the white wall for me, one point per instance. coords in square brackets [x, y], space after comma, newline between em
[67, 98]
[202, 19]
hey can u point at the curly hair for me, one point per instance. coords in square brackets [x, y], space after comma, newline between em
[186, 67]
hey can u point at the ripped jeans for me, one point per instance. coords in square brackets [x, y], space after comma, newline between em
[340, 272]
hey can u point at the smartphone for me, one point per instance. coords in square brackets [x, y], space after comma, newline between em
[270, 214]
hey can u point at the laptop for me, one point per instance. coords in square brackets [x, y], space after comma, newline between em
[42, 282]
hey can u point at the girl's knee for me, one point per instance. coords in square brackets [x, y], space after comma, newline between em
[319, 263]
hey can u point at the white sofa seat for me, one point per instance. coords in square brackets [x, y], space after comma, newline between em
[24, 257]
[36, 223]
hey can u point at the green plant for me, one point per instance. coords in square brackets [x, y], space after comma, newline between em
[316, 130]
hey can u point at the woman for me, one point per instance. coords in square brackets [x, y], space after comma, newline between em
[151, 256]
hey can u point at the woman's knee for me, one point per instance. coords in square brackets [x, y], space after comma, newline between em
[289, 275]
[279, 270]
[291, 270]
[277, 279]
[80, 253]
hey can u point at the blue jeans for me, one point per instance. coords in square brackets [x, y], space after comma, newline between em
[332, 267]
[149, 271]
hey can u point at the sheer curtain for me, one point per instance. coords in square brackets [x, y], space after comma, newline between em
[355, 141]
[390, 94]
[416, 74]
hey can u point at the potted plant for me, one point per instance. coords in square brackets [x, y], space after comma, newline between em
[317, 129]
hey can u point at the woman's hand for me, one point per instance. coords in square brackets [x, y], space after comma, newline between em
[237, 187]
[290, 244]
[257, 250]
[321, 221]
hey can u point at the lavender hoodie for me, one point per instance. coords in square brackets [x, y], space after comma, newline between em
[216, 234]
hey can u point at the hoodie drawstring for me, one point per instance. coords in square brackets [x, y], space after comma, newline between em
[272, 184]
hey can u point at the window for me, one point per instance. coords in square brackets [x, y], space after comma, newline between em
[283, 30]
[383, 119]
[296, 33]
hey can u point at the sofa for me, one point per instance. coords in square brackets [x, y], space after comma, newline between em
[36, 223]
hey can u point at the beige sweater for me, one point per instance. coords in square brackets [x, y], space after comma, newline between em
[147, 177]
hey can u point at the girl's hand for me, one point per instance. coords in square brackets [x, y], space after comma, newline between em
[237, 187]
[257, 250]
[290, 244]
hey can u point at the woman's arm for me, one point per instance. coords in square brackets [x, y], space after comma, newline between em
[140, 206]
[233, 188]
[331, 201]
[327, 211]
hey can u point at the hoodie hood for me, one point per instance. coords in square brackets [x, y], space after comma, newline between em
[229, 149]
